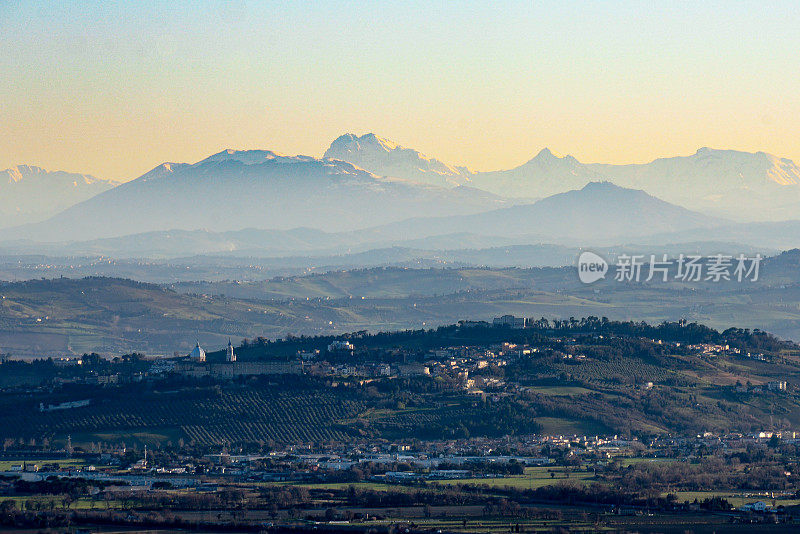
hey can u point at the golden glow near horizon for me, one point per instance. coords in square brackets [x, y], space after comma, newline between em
[115, 89]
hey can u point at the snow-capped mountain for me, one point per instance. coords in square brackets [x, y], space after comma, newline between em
[232, 190]
[734, 183]
[544, 175]
[741, 185]
[29, 193]
[386, 158]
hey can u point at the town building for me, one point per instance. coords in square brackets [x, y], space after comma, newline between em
[510, 321]
[776, 385]
[341, 346]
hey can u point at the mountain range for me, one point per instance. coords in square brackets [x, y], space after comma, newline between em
[368, 193]
[29, 193]
[232, 190]
[730, 183]
[599, 214]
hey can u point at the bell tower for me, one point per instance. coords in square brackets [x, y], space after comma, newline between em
[230, 356]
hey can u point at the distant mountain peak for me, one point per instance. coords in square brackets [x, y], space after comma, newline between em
[350, 143]
[383, 143]
[604, 185]
[268, 191]
[383, 157]
[547, 157]
[29, 193]
[20, 173]
[248, 157]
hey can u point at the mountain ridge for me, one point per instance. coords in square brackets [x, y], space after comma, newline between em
[598, 212]
[231, 190]
[383, 183]
[729, 183]
[29, 193]
[372, 152]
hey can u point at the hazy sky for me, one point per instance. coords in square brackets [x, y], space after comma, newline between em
[113, 89]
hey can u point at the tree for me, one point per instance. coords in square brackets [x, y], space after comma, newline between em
[7, 506]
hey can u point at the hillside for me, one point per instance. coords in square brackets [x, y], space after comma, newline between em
[599, 214]
[604, 391]
[113, 316]
[394, 282]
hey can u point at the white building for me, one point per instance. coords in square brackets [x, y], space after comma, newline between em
[341, 346]
[759, 506]
[198, 354]
[509, 320]
[776, 385]
[230, 356]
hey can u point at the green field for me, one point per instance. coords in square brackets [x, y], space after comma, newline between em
[555, 426]
[534, 477]
[736, 498]
[5, 465]
[49, 502]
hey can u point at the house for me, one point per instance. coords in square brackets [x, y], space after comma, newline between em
[67, 362]
[64, 405]
[231, 369]
[341, 346]
[510, 321]
[413, 369]
[758, 506]
[473, 324]
[776, 385]
[307, 355]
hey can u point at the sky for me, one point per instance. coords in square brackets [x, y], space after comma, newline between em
[115, 88]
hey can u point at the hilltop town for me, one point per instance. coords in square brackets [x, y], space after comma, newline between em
[512, 409]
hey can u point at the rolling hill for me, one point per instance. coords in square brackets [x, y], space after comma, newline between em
[114, 316]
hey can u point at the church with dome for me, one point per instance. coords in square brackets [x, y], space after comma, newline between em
[198, 354]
